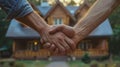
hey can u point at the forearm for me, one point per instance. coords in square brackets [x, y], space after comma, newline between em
[95, 16]
[34, 21]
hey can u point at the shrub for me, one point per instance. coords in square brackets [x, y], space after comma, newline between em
[86, 58]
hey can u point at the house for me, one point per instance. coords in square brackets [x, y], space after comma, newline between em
[26, 40]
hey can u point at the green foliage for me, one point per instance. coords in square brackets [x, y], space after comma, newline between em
[36, 2]
[19, 65]
[3, 28]
[86, 58]
[115, 39]
[115, 17]
[72, 3]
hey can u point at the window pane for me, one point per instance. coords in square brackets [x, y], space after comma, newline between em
[60, 21]
[57, 21]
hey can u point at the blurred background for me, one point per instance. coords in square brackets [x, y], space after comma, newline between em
[114, 41]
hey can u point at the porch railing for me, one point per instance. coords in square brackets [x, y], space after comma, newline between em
[92, 52]
[32, 54]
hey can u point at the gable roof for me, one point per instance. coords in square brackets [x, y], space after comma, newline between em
[44, 9]
[72, 9]
[104, 29]
[15, 30]
[58, 3]
[86, 3]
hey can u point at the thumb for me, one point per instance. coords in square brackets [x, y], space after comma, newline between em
[55, 29]
[68, 31]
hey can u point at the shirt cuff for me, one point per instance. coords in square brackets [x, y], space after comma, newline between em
[21, 9]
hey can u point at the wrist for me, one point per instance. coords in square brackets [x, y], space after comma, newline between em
[43, 29]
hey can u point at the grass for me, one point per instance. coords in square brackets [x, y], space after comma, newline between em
[78, 63]
[95, 63]
[33, 63]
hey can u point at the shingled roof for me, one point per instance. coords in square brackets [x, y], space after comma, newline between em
[58, 3]
[15, 30]
[44, 9]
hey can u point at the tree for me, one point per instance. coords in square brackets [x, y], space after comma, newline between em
[115, 39]
[3, 28]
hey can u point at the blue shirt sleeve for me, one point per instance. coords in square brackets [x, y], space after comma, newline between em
[15, 8]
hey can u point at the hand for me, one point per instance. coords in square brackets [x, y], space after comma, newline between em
[68, 31]
[58, 40]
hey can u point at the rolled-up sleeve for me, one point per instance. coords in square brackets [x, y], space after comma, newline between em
[15, 8]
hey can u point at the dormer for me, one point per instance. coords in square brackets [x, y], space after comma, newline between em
[58, 14]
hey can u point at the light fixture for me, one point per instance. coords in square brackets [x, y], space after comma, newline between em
[35, 43]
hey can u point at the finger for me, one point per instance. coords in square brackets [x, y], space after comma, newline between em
[56, 29]
[52, 47]
[56, 51]
[47, 45]
[66, 46]
[45, 37]
[62, 51]
[71, 43]
[41, 41]
[68, 31]
[59, 46]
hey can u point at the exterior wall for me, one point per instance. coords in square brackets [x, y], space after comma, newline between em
[58, 13]
[95, 49]
[100, 48]
[23, 50]
[28, 54]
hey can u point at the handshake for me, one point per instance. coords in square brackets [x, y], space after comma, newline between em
[59, 39]
[62, 39]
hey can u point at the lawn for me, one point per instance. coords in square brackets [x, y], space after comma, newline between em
[79, 63]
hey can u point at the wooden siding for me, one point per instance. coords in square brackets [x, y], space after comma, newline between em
[92, 53]
[100, 50]
[58, 13]
[27, 54]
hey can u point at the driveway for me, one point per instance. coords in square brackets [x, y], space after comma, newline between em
[58, 64]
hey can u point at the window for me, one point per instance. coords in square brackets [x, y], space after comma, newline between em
[85, 45]
[57, 21]
[33, 45]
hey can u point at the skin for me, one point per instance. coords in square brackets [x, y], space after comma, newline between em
[59, 39]
[99, 11]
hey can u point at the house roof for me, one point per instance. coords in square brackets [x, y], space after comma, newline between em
[72, 9]
[44, 9]
[15, 30]
[58, 3]
[104, 29]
